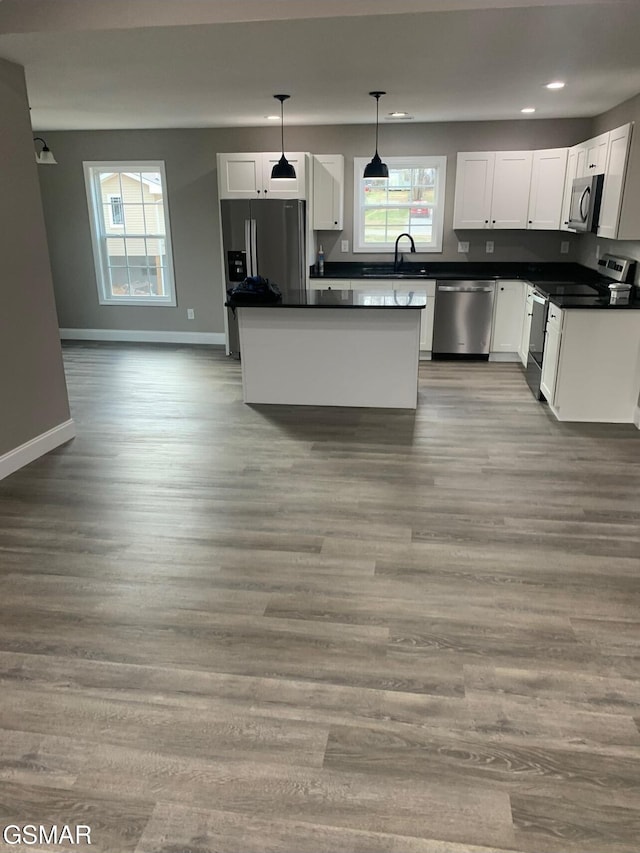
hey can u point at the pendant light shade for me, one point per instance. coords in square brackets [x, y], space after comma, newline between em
[283, 168]
[45, 156]
[376, 168]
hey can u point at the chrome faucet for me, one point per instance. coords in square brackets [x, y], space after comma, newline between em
[396, 262]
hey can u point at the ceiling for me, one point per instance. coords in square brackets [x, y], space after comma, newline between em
[217, 63]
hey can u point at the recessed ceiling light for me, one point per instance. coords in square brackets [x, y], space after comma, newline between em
[528, 110]
[556, 84]
[273, 118]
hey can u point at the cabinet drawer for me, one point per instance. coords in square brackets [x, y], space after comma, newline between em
[326, 283]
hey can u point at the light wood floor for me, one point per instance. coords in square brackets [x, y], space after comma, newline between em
[249, 629]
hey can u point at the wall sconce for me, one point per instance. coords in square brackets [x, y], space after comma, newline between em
[45, 156]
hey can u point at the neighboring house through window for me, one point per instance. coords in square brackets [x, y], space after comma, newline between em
[410, 201]
[130, 232]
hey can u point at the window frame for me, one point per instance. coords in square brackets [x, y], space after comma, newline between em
[439, 162]
[95, 203]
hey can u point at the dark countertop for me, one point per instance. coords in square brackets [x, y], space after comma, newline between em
[334, 298]
[560, 294]
[595, 302]
[550, 278]
[569, 271]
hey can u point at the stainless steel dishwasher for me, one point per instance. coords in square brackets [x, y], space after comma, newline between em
[462, 318]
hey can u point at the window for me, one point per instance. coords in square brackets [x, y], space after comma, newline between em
[130, 232]
[410, 201]
[117, 213]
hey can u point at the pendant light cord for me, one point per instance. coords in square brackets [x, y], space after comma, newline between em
[282, 124]
[377, 106]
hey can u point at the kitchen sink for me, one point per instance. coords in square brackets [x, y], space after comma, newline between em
[373, 272]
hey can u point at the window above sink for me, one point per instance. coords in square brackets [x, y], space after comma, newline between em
[411, 201]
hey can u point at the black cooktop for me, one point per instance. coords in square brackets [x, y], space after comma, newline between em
[568, 288]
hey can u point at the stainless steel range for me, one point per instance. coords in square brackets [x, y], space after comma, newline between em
[616, 269]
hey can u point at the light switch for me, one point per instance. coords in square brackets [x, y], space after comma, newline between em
[564, 247]
[489, 248]
[344, 246]
[463, 246]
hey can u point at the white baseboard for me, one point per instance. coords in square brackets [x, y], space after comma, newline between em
[37, 447]
[504, 356]
[636, 417]
[132, 335]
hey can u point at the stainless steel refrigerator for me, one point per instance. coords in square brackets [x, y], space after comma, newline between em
[263, 237]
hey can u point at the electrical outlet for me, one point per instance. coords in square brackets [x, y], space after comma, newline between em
[564, 247]
[191, 314]
[489, 247]
[344, 246]
[463, 246]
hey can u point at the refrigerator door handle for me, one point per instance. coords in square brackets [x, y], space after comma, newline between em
[251, 242]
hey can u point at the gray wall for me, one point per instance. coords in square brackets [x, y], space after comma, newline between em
[589, 244]
[33, 395]
[190, 158]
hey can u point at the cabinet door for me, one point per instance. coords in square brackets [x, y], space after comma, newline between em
[614, 181]
[597, 150]
[551, 354]
[289, 187]
[574, 170]
[511, 184]
[547, 188]
[474, 187]
[523, 349]
[328, 192]
[239, 175]
[507, 316]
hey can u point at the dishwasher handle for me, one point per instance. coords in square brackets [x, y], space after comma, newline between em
[452, 288]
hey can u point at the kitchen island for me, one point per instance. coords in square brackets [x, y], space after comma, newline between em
[332, 348]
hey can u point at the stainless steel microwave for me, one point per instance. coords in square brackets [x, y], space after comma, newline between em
[586, 197]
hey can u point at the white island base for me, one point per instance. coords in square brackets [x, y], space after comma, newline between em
[342, 356]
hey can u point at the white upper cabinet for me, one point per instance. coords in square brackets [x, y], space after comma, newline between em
[248, 175]
[328, 192]
[239, 175]
[474, 189]
[511, 183]
[289, 187]
[597, 150]
[494, 189]
[615, 169]
[575, 160]
[547, 188]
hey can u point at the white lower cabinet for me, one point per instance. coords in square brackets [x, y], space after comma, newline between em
[329, 284]
[508, 311]
[551, 354]
[591, 364]
[404, 288]
[523, 349]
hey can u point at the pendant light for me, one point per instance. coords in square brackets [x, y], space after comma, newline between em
[283, 168]
[376, 168]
